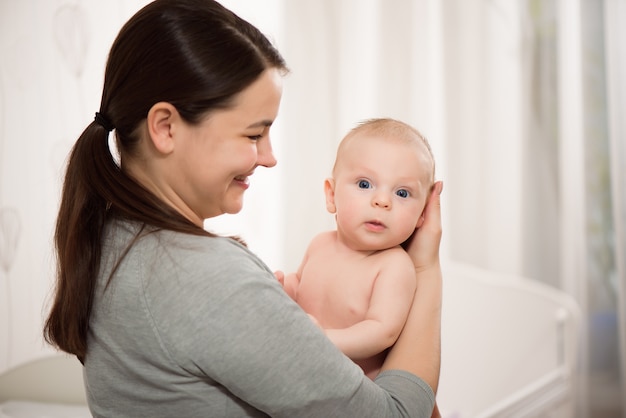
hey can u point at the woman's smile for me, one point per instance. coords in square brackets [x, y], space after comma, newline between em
[243, 181]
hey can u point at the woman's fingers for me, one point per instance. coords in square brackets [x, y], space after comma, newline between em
[424, 245]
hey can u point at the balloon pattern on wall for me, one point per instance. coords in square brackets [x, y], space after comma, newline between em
[10, 227]
[71, 36]
[71, 39]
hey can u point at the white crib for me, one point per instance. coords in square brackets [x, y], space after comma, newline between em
[48, 387]
[509, 347]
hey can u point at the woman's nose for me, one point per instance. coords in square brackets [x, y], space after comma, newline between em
[265, 154]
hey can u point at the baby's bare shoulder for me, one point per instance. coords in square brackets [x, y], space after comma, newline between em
[396, 255]
[323, 239]
[396, 262]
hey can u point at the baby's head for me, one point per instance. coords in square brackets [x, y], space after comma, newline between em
[391, 131]
[382, 177]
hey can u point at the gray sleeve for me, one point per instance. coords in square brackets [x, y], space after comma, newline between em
[412, 395]
[235, 325]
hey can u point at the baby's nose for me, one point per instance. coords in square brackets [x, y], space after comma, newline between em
[382, 202]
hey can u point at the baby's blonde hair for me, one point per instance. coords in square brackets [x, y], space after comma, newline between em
[389, 129]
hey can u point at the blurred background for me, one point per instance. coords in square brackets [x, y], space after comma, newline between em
[523, 102]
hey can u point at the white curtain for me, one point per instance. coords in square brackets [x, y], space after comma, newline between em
[351, 60]
[513, 95]
[615, 38]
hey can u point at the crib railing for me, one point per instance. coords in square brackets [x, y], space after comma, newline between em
[509, 347]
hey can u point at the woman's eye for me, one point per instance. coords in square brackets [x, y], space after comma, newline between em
[364, 184]
[402, 193]
[255, 137]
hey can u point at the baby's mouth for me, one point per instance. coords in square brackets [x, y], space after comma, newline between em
[375, 225]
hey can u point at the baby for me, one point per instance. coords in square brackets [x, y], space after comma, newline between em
[357, 282]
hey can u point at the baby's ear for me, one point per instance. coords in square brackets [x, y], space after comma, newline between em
[329, 191]
[420, 221]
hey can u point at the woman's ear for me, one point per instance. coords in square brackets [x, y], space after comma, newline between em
[161, 117]
[329, 191]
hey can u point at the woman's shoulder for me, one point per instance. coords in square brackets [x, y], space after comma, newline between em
[185, 267]
[158, 247]
[208, 251]
[196, 243]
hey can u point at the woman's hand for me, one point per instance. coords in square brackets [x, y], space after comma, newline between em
[418, 348]
[423, 246]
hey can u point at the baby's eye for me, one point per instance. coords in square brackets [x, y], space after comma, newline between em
[402, 193]
[364, 184]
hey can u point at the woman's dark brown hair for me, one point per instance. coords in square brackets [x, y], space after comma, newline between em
[194, 54]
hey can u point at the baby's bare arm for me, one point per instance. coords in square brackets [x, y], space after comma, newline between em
[392, 296]
[291, 281]
[290, 284]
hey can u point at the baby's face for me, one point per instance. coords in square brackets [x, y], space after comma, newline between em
[380, 190]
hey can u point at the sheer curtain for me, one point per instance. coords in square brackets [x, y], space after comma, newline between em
[523, 101]
[350, 60]
[591, 185]
[614, 37]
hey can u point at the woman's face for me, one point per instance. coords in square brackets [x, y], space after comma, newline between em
[215, 158]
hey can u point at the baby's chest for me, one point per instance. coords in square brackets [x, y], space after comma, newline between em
[337, 283]
[328, 270]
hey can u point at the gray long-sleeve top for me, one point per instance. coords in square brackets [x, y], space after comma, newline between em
[195, 326]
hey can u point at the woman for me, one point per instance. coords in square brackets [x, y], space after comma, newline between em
[167, 318]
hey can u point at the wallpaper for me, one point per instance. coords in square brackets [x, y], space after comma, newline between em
[51, 71]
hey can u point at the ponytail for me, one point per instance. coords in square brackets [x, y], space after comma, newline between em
[77, 241]
[95, 189]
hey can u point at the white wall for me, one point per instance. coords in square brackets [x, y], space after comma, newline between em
[51, 73]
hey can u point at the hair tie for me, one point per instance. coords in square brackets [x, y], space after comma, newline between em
[104, 122]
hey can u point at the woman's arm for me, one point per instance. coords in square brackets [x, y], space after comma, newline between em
[418, 348]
